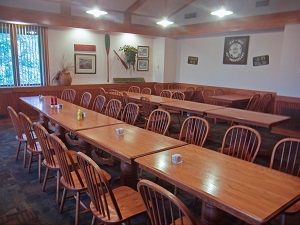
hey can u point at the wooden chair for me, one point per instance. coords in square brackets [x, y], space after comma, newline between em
[264, 103]
[166, 94]
[50, 160]
[126, 99]
[130, 113]
[252, 104]
[180, 96]
[114, 94]
[146, 109]
[99, 103]
[189, 93]
[162, 206]
[20, 135]
[206, 96]
[102, 91]
[159, 121]
[241, 142]
[68, 95]
[85, 100]
[134, 89]
[146, 91]
[110, 206]
[194, 130]
[158, 89]
[113, 108]
[198, 96]
[219, 91]
[174, 86]
[286, 158]
[72, 178]
[33, 147]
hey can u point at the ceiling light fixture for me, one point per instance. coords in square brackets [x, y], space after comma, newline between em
[165, 22]
[96, 12]
[221, 12]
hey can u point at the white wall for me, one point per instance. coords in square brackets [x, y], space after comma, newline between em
[282, 75]
[62, 40]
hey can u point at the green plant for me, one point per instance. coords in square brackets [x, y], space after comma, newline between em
[130, 54]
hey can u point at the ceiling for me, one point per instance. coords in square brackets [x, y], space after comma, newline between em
[148, 12]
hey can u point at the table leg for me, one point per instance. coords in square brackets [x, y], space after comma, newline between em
[128, 174]
[60, 132]
[211, 215]
[44, 121]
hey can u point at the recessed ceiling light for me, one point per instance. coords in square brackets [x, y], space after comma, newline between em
[96, 12]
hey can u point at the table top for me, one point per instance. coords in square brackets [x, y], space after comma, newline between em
[248, 117]
[251, 192]
[67, 116]
[135, 142]
[192, 107]
[231, 98]
[153, 98]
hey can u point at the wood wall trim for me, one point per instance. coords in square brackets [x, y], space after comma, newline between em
[271, 21]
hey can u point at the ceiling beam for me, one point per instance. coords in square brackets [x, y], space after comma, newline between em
[277, 20]
[131, 9]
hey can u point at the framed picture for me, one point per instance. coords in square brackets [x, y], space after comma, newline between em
[85, 63]
[143, 52]
[142, 64]
[236, 50]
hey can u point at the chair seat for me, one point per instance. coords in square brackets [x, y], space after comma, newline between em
[124, 195]
[73, 154]
[77, 185]
[184, 221]
[293, 209]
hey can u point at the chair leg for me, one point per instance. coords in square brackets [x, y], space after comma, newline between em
[57, 186]
[77, 208]
[63, 198]
[40, 168]
[45, 179]
[93, 220]
[25, 156]
[283, 217]
[175, 190]
[30, 161]
[18, 150]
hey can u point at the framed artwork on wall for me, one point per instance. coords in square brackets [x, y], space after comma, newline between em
[143, 51]
[236, 50]
[85, 63]
[142, 64]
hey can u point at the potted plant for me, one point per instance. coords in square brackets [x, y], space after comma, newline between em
[63, 76]
[130, 54]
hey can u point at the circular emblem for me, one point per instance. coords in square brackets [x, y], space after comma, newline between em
[235, 52]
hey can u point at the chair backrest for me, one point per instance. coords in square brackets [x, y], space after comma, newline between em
[146, 91]
[101, 193]
[158, 89]
[218, 91]
[194, 130]
[99, 103]
[102, 91]
[198, 96]
[28, 130]
[159, 121]
[147, 107]
[68, 95]
[130, 113]
[206, 96]
[125, 99]
[286, 156]
[162, 206]
[252, 104]
[241, 142]
[85, 99]
[134, 89]
[166, 93]
[66, 162]
[113, 108]
[189, 93]
[114, 94]
[174, 86]
[42, 136]
[178, 95]
[264, 103]
[16, 122]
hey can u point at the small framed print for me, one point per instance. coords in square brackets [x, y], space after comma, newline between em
[236, 50]
[142, 64]
[143, 52]
[85, 63]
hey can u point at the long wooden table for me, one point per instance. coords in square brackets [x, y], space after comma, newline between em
[251, 192]
[259, 119]
[154, 99]
[230, 98]
[134, 143]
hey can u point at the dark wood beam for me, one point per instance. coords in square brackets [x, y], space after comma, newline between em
[65, 7]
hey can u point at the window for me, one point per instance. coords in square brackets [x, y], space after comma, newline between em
[22, 55]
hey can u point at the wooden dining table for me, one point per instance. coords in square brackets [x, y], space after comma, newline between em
[154, 99]
[134, 143]
[248, 117]
[250, 192]
[231, 99]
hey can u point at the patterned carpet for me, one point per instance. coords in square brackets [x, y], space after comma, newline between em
[23, 202]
